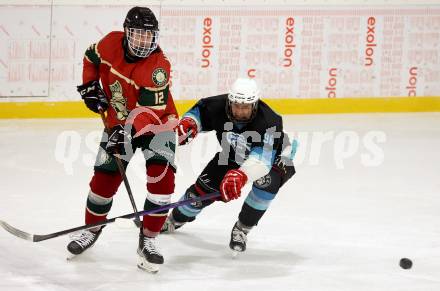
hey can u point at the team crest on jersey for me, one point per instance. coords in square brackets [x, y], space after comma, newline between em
[159, 77]
[103, 158]
[118, 101]
[264, 181]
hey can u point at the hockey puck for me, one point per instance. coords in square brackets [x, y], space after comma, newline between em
[405, 263]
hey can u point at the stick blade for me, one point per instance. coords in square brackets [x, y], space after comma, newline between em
[16, 232]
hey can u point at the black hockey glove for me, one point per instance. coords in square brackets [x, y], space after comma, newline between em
[118, 139]
[93, 96]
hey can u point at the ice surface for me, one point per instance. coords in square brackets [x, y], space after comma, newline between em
[339, 224]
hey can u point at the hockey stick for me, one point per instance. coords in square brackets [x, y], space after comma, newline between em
[40, 237]
[137, 219]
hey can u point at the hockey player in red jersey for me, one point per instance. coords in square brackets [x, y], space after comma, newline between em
[134, 74]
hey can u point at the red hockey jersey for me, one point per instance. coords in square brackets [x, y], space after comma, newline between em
[128, 86]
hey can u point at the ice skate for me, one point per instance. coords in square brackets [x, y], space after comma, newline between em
[238, 239]
[149, 256]
[82, 241]
[171, 225]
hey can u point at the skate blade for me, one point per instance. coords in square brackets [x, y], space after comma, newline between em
[71, 257]
[144, 265]
[236, 252]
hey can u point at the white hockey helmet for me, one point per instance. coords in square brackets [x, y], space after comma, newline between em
[243, 91]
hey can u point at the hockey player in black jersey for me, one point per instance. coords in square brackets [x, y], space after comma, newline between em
[254, 149]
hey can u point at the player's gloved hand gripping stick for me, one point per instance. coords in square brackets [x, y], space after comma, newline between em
[93, 95]
[186, 130]
[231, 185]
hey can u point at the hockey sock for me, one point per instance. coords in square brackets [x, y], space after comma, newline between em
[100, 198]
[160, 187]
[152, 223]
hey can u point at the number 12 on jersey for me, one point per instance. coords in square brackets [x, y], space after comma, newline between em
[159, 97]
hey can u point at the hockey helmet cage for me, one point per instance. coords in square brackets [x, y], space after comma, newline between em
[142, 31]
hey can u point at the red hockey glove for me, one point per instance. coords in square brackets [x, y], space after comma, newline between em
[186, 130]
[230, 187]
